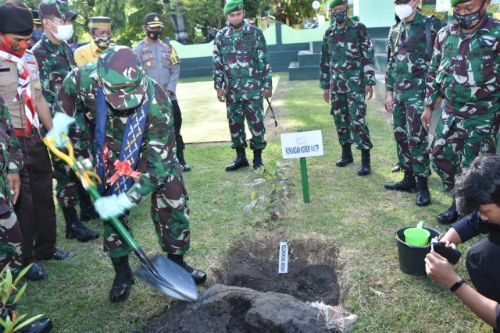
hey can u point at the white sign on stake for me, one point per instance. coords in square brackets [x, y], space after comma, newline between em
[302, 144]
[442, 6]
[283, 258]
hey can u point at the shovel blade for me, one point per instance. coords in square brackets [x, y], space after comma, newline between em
[169, 278]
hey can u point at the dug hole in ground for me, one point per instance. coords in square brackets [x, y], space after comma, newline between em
[249, 295]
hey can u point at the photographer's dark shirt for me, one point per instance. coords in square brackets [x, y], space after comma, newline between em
[472, 225]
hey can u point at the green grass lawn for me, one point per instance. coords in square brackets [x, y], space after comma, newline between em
[356, 212]
[204, 118]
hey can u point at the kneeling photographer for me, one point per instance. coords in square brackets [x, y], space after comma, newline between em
[477, 193]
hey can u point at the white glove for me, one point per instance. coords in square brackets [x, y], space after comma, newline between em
[113, 206]
[60, 126]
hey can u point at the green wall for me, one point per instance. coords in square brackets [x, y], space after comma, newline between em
[374, 13]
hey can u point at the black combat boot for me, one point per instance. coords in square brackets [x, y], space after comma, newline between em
[423, 195]
[346, 156]
[87, 210]
[122, 283]
[240, 161]
[43, 325]
[408, 184]
[449, 216]
[257, 159]
[365, 169]
[182, 162]
[198, 275]
[75, 228]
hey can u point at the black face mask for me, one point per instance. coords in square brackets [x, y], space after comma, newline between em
[469, 21]
[154, 35]
[237, 26]
[339, 17]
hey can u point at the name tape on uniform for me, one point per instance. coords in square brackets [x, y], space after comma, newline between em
[302, 144]
[283, 258]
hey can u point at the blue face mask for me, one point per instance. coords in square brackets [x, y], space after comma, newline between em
[339, 17]
[37, 34]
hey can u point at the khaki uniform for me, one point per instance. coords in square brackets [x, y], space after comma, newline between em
[35, 207]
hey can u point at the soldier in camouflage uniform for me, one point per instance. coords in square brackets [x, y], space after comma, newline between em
[410, 47]
[465, 70]
[11, 162]
[55, 60]
[347, 75]
[134, 128]
[242, 77]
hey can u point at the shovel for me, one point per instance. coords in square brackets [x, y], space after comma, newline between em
[160, 273]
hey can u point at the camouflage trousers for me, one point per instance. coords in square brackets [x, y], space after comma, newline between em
[11, 240]
[253, 111]
[170, 215]
[349, 111]
[411, 138]
[458, 141]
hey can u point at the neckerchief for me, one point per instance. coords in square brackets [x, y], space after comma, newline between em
[24, 91]
[131, 141]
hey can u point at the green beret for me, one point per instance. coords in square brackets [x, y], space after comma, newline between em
[334, 3]
[232, 6]
[456, 2]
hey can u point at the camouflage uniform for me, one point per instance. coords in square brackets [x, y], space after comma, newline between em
[242, 69]
[54, 62]
[407, 68]
[11, 161]
[161, 173]
[465, 69]
[347, 67]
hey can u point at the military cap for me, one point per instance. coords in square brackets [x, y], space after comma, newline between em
[57, 8]
[456, 2]
[36, 17]
[16, 19]
[334, 3]
[122, 79]
[153, 20]
[232, 6]
[100, 22]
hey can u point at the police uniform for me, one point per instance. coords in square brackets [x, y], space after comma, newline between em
[161, 62]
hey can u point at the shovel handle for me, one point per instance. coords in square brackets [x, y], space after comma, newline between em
[87, 182]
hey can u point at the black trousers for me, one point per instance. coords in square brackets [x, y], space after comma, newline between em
[483, 265]
[177, 126]
[35, 207]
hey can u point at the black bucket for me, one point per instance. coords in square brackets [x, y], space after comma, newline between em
[411, 258]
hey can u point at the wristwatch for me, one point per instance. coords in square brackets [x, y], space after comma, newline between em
[457, 285]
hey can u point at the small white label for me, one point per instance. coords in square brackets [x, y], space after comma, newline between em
[283, 258]
[301, 144]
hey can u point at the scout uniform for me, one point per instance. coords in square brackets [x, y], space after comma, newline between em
[91, 51]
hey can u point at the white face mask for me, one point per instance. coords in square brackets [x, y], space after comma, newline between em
[64, 32]
[404, 11]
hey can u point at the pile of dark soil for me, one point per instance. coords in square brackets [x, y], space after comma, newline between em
[239, 310]
[250, 296]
